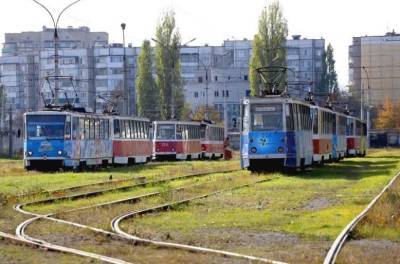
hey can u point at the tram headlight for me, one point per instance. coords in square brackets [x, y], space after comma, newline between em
[280, 150]
[253, 150]
[59, 152]
[173, 149]
[30, 153]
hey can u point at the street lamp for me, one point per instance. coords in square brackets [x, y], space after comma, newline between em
[126, 98]
[172, 57]
[368, 103]
[56, 39]
[206, 69]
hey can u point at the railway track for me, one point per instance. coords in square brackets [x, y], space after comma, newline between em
[20, 231]
[123, 188]
[339, 242]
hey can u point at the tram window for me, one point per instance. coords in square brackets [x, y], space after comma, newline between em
[166, 131]
[87, 128]
[314, 121]
[67, 133]
[179, 132]
[101, 129]
[142, 130]
[81, 128]
[184, 132]
[266, 117]
[107, 129]
[146, 130]
[117, 129]
[136, 130]
[123, 131]
[289, 117]
[75, 128]
[96, 128]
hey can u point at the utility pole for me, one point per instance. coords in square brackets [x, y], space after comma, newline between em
[10, 133]
[368, 104]
[56, 44]
[127, 98]
[206, 72]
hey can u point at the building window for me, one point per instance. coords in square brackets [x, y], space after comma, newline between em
[216, 94]
[196, 94]
[226, 93]
[200, 79]
[246, 77]
[216, 78]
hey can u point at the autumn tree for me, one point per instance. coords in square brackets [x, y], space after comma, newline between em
[213, 114]
[387, 117]
[168, 68]
[269, 47]
[147, 91]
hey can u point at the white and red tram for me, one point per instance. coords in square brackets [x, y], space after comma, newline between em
[212, 144]
[177, 140]
[131, 140]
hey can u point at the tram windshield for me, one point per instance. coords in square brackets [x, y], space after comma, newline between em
[267, 117]
[166, 131]
[45, 126]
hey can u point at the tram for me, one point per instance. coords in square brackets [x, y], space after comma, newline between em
[57, 139]
[179, 140]
[323, 132]
[212, 143]
[356, 137]
[131, 140]
[276, 133]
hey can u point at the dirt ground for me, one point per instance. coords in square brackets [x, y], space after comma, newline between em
[368, 251]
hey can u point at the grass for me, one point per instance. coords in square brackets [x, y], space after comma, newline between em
[15, 253]
[301, 213]
[383, 220]
[14, 180]
[314, 206]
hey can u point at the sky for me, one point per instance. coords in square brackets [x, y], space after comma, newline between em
[212, 21]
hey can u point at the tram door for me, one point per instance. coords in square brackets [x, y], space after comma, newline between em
[244, 137]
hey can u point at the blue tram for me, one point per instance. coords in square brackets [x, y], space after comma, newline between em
[276, 132]
[56, 139]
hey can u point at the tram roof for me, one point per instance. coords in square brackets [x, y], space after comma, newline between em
[177, 122]
[55, 112]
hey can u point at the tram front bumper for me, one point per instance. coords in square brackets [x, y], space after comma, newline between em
[267, 156]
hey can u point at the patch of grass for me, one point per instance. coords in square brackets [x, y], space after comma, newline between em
[383, 220]
[14, 180]
[283, 205]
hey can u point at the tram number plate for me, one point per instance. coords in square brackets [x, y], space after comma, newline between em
[164, 144]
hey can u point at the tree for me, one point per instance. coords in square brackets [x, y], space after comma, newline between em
[333, 86]
[213, 114]
[168, 67]
[329, 83]
[387, 117]
[268, 48]
[147, 92]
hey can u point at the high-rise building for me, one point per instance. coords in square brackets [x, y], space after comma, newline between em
[305, 58]
[90, 67]
[222, 73]
[374, 62]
